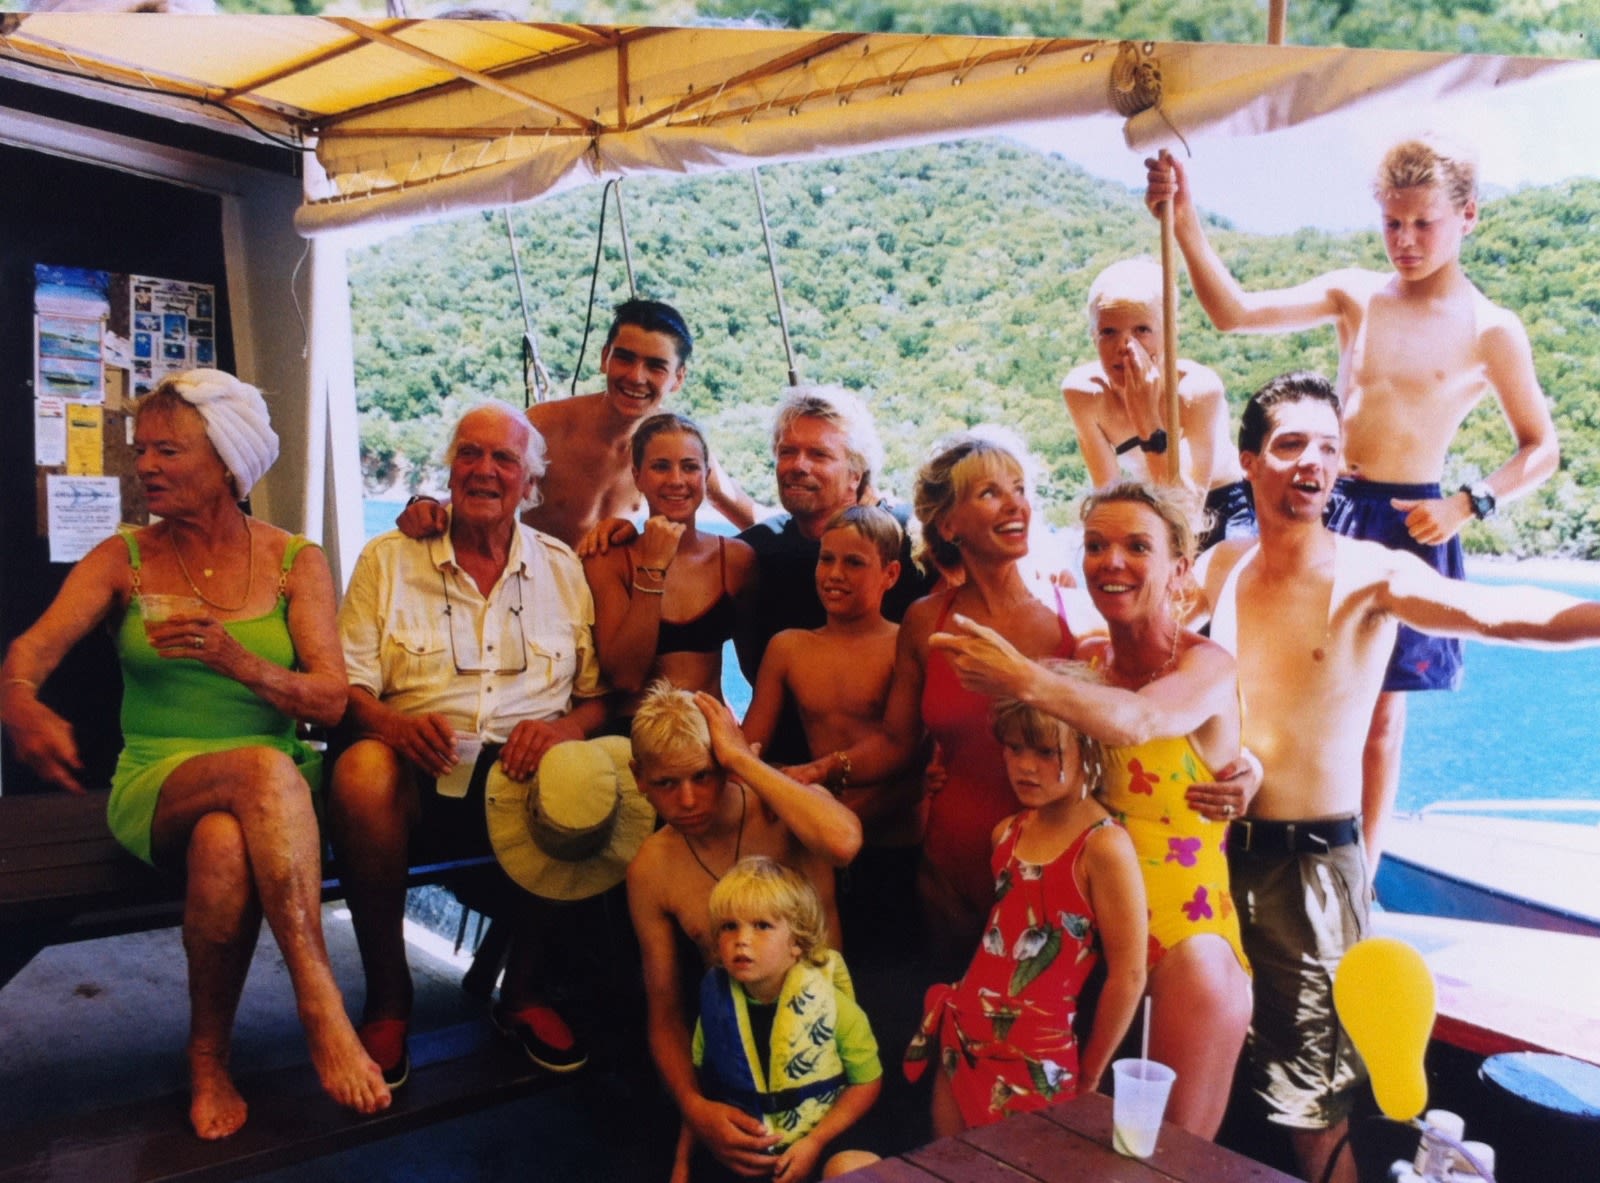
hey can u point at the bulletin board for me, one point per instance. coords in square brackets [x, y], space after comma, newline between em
[100, 340]
[70, 213]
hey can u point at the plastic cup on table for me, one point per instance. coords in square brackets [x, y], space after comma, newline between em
[456, 782]
[1142, 1088]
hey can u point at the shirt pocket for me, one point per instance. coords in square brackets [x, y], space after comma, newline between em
[417, 656]
[553, 659]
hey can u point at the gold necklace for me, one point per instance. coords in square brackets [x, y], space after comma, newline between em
[1166, 665]
[249, 579]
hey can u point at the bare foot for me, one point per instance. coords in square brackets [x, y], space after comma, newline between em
[347, 1073]
[215, 1107]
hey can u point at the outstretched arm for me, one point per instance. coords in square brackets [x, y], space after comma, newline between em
[822, 824]
[1199, 688]
[1230, 307]
[1430, 603]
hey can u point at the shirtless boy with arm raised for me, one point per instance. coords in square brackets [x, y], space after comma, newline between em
[1419, 347]
[718, 803]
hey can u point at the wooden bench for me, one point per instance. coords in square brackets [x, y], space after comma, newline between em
[64, 879]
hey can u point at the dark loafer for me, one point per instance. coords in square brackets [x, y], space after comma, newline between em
[543, 1035]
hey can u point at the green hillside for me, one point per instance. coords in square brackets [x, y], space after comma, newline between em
[944, 283]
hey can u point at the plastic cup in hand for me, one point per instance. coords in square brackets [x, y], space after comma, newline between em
[1142, 1087]
[158, 608]
[456, 782]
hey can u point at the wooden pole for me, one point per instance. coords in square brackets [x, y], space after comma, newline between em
[1277, 21]
[1169, 339]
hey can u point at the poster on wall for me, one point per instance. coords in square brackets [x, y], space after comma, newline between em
[70, 305]
[82, 511]
[174, 328]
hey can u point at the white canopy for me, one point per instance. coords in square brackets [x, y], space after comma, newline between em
[418, 119]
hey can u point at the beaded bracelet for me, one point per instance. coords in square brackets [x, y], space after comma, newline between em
[649, 591]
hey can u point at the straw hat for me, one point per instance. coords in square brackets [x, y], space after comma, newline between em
[570, 832]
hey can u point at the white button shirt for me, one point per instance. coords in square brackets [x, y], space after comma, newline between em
[412, 618]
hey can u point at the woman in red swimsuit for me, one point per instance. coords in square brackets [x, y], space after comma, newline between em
[664, 604]
[972, 502]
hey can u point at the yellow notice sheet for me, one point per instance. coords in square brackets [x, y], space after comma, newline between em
[86, 452]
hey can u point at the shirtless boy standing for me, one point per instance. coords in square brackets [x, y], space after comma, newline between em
[1311, 618]
[837, 676]
[1118, 405]
[718, 803]
[590, 436]
[1419, 347]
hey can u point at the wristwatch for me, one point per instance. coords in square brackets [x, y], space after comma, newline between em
[1482, 498]
[1157, 442]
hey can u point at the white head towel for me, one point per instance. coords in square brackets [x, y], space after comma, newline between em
[237, 422]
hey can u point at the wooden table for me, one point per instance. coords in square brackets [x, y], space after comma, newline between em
[1067, 1143]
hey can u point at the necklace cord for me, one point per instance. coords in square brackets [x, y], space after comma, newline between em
[738, 841]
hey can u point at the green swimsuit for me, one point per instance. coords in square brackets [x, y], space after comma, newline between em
[174, 709]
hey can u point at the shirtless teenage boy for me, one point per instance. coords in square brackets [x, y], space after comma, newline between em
[590, 436]
[1311, 616]
[718, 803]
[837, 676]
[1118, 405]
[1419, 347]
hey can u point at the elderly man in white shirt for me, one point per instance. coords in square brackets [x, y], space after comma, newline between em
[481, 634]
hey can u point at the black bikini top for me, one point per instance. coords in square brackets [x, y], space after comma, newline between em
[707, 632]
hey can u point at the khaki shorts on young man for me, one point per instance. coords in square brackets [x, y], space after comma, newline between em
[1303, 898]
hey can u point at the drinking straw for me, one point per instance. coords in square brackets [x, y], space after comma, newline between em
[1144, 1039]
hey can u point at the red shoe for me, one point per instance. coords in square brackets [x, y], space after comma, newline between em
[543, 1035]
[385, 1041]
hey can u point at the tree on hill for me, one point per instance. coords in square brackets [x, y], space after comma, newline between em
[947, 284]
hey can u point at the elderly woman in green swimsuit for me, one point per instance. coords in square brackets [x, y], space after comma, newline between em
[211, 781]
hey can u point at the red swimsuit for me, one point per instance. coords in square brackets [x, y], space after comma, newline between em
[976, 796]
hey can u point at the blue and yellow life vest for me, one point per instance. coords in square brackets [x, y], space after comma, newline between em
[804, 1074]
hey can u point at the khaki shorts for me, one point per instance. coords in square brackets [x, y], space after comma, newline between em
[1300, 913]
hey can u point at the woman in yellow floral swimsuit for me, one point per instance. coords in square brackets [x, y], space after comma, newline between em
[1168, 715]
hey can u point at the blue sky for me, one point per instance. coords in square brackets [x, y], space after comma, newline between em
[1533, 133]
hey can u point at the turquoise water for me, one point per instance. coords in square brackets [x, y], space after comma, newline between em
[1520, 726]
